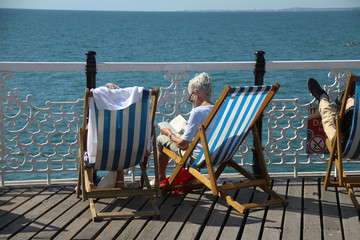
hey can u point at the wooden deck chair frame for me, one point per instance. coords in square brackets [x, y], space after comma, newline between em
[144, 188]
[211, 181]
[336, 152]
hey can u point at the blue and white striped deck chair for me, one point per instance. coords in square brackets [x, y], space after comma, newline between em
[117, 140]
[235, 114]
[352, 148]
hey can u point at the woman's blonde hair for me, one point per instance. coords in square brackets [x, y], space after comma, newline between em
[201, 83]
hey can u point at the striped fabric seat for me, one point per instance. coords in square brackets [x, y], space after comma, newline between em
[117, 130]
[235, 117]
[121, 137]
[352, 149]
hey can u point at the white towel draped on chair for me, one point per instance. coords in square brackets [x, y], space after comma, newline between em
[118, 139]
[116, 99]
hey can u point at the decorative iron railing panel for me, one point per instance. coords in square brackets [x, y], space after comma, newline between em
[42, 142]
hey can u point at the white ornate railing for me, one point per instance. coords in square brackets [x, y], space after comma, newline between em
[41, 142]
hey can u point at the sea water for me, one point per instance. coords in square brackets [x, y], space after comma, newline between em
[65, 36]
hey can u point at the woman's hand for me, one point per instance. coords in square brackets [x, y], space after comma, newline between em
[179, 142]
[165, 131]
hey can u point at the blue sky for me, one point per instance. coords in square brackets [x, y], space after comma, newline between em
[175, 5]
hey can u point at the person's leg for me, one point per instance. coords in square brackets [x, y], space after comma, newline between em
[350, 103]
[119, 179]
[328, 112]
[163, 159]
[90, 177]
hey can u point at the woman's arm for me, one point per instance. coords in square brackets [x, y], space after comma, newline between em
[179, 142]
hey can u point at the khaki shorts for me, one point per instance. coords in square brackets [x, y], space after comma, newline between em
[328, 113]
[164, 141]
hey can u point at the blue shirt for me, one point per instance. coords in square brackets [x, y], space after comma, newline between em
[197, 117]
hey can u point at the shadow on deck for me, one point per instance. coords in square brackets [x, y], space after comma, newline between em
[53, 212]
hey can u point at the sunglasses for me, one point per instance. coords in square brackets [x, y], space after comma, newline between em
[191, 97]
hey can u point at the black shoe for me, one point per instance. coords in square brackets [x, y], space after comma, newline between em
[339, 99]
[315, 90]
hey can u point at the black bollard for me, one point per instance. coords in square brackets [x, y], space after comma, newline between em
[91, 83]
[259, 73]
[90, 69]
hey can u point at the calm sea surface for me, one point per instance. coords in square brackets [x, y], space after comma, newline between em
[65, 36]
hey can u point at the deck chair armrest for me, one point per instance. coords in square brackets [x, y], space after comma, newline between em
[172, 155]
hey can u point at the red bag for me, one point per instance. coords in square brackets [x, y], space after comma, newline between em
[184, 177]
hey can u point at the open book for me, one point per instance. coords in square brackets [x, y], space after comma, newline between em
[177, 125]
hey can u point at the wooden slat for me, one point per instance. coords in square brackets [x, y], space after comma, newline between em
[44, 213]
[100, 193]
[292, 221]
[7, 195]
[197, 217]
[312, 218]
[352, 179]
[167, 208]
[15, 198]
[350, 217]
[245, 184]
[48, 211]
[136, 224]
[41, 203]
[94, 228]
[274, 216]
[217, 217]
[262, 204]
[180, 216]
[331, 219]
[4, 190]
[255, 218]
[114, 210]
[235, 220]
[64, 217]
[115, 225]
[29, 200]
[82, 219]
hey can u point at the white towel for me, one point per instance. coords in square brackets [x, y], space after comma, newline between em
[109, 99]
[116, 99]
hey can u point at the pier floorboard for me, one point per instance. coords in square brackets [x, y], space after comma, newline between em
[54, 212]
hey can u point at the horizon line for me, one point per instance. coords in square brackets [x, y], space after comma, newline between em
[294, 9]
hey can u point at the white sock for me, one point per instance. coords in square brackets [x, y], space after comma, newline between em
[323, 96]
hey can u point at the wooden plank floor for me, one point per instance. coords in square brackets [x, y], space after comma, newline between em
[53, 212]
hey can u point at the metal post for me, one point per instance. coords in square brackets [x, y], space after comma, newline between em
[91, 83]
[259, 73]
[90, 69]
